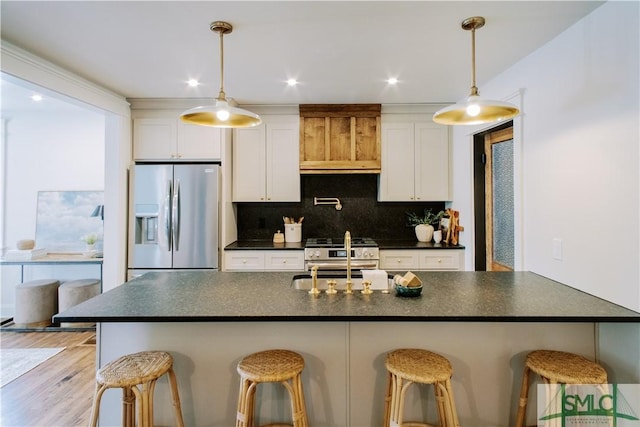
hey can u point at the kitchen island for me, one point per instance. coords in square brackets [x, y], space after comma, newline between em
[485, 323]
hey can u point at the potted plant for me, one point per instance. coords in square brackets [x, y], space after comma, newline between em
[424, 224]
[90, 239]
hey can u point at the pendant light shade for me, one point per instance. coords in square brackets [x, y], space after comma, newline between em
[221, 114]
[475, 110]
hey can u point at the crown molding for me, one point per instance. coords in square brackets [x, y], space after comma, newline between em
[26, 66]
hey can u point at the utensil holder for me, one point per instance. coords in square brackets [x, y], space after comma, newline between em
[293, 233]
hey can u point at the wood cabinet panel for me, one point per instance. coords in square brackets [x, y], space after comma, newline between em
[344, 138]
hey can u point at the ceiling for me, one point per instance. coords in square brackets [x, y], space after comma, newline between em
[340, 52]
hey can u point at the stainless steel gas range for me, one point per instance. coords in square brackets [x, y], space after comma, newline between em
[331, 253]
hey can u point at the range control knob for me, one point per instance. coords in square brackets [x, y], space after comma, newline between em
[365, 253]
[316, 254]
[360, 253]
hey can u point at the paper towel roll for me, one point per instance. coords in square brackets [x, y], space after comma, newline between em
[379, 279]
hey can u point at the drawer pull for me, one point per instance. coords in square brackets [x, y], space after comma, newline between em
[439, 260]
[244, 261]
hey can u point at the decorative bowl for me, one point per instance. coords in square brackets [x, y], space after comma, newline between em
[408, 291]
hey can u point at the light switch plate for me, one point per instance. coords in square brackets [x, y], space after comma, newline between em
[556, 252]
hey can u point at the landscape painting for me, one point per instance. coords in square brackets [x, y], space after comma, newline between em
[64, 219]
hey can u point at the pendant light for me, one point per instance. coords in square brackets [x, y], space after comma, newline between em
[221, 114]
[475, 110]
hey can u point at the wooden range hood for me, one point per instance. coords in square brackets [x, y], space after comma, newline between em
[339, 138]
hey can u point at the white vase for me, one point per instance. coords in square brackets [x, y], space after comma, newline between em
[424, 232]
[91, 247]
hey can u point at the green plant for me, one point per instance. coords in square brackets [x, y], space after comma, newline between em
[90, 238]
[428, 217]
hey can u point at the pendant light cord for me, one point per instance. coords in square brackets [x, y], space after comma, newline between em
[221, 95]
[474, 88]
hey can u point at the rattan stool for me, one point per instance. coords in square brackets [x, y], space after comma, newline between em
[409, 365]
[130, 371]
[557, 367]
[281, 366]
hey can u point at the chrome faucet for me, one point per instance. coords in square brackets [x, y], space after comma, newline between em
[347, 246]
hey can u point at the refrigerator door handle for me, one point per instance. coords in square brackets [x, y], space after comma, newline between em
[167, 214]
[175, 216]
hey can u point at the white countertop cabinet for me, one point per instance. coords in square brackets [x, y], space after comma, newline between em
[161, 135]
[415, 160]
[255, 260]
[266, 161]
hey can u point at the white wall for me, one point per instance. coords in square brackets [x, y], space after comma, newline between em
[49, 152]
[580, 154]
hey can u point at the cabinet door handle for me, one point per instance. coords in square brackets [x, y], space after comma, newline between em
[244, 261]
[439, 260]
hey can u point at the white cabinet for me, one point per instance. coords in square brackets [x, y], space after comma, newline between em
[415, 160]
[266, 161]
[168, 138]
[422, 259]
[256, 260]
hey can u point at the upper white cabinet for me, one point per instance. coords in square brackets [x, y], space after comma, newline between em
[415, 160]
[266, 161]
[163, 136]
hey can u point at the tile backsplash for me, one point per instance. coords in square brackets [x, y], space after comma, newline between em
[361, 212]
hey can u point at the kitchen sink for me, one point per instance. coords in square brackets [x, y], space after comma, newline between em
[304, 282]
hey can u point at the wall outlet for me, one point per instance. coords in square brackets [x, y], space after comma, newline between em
[556, 251]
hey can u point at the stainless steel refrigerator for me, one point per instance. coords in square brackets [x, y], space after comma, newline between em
[173, 222]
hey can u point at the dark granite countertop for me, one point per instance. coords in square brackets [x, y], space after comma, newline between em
[206, 296]
[414, 244]
[382, 244]
[261, 245]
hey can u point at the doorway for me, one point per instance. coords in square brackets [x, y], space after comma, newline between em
[494, 199]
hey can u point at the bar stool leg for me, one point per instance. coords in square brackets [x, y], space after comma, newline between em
[175, 398]
[95, 410]
[387, 401]
[300, 414]
[524, 395]
[128, 407]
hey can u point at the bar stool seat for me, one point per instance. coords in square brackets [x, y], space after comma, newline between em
[281, 366]
[557, 367]
[136, 374]
[409, 365]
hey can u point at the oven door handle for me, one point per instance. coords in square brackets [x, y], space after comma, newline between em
[342, 265]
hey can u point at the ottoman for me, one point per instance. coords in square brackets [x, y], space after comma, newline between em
[36, 302]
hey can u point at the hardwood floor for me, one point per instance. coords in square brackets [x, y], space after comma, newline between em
[58, 392]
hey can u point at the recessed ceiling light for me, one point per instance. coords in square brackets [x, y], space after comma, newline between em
[292, 82]
[392, 80]
[36, 98]
[193, 82]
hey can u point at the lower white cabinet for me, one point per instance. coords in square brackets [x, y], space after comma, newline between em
[256, 260]
[422, 259]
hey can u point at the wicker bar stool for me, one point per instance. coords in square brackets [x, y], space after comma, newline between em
[557, 367]
[281, 366]
[407, 366]
[136, 374]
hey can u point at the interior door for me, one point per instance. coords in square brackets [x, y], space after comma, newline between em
[499, 200]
